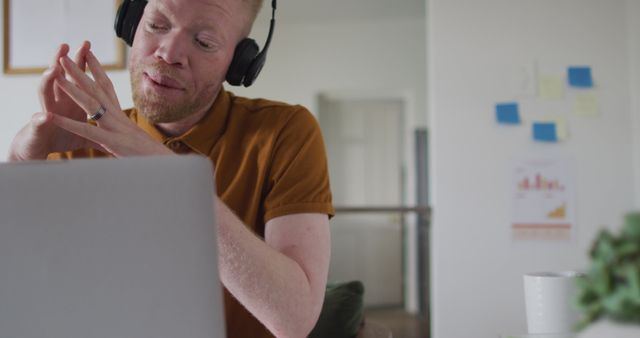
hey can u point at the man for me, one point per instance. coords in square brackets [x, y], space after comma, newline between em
[271, 171]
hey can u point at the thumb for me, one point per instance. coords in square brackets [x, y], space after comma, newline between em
[42, 125]
[39, 121]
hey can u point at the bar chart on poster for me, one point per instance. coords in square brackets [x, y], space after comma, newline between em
[543, 200]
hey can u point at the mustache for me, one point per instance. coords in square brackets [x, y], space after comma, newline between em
[163, 69]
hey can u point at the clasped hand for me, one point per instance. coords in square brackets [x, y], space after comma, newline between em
[67, 96]
[114, 132]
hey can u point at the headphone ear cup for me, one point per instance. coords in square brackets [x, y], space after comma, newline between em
[244, 55]
[122, 10]
[127, 19]
[254, 69]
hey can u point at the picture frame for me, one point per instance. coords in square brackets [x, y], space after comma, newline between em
[34, 29]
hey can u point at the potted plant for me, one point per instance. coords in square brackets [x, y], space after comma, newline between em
[609, 295]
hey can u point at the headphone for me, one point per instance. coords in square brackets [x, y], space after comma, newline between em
[247, 60]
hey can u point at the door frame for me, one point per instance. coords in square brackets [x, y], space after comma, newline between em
[411, 260]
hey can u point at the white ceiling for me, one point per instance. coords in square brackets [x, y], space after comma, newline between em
[312, 11]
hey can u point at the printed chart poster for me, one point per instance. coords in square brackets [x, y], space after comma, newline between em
[543, 200]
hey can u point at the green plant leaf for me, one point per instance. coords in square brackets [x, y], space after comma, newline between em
[611, 287]
[632, 225]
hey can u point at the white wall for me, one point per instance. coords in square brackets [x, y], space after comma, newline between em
[304, 60]
[473, 47]
[633, 15]
[361, 56]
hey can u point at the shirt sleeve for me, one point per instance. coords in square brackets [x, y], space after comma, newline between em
[299, 176]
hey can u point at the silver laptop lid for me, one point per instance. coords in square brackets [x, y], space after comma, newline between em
[109, 248]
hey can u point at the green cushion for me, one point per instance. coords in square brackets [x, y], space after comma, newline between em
[342, 311]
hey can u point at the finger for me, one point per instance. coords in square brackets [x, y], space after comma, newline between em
[80, 58]
[91, 89]
[94, 135]
[79, 96]
[46, 92]
[101, 78]
[62, 51]
[42, 124]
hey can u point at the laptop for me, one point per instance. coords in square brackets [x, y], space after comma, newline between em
[109, 248]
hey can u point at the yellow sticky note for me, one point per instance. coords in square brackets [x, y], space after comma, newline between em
[586, 104]
[562, 129]
[551, 87]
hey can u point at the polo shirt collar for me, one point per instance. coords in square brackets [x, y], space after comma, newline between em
[203, 136]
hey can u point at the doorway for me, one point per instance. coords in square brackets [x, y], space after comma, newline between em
[364, 142]
[377, 163]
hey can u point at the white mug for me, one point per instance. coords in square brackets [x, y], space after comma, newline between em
[550, 301]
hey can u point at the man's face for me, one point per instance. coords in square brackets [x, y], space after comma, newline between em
[180, 55]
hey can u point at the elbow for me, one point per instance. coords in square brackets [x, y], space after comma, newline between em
[302, 321]
[312, 319]
[296, 330]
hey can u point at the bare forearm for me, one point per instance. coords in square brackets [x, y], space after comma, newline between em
[274, 287]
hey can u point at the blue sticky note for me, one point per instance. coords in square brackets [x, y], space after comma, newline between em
[507, 113]
[545, 132]
[580, 77]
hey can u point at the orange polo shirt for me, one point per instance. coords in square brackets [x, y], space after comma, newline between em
[270, 161]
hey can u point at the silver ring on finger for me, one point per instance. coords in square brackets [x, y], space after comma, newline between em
[98, 114]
